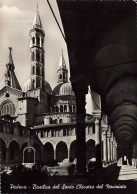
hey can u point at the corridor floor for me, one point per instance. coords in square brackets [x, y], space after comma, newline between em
[128, 173]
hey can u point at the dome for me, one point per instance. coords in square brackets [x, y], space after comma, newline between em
[63, 89]
[28, 86]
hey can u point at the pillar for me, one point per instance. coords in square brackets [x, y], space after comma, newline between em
[97, 117]
[108, 148]
[111, 147]
[7, 156]
[80, 88]
[104, 130]
[54, 153]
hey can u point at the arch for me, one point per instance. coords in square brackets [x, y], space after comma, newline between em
[70, 108]
[38, 153]
[61, 151]
[38, 70]
[37, 56]
[60, 120]
[38, 83]
[33, 70]
[65, 108]
[29, 155]
[3, 151]
[61, 108]
[32, 56]
[38, 40]
[57, 109]
[90, 149]
[33, 40]
[7, 108]
[48, 153]
[14, 152]
[60, 76]
[74, 108]
[73, 147]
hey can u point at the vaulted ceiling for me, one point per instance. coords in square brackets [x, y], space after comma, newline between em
[101, 38]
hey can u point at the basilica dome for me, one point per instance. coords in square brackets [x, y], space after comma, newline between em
[63, 89]
[28, 85]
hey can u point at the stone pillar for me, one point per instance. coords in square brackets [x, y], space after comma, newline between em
[104, 130]
[111, 147]
[97, 117]
[80, 88]
[69, 153]
[54, 153]
[108, 148]
[7, 156]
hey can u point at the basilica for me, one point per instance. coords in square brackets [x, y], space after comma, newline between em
[38, 124]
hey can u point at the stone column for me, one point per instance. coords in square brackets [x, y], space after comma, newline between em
[97, 117]
[55, 153]
[108, 148]
[7, 156]
[80, 88]
[111, 147]
[104, 132]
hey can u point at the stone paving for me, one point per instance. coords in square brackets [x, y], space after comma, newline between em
[128, 173]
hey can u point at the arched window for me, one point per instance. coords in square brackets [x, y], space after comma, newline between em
[70, 108]
[32, 56]
[74, 110]
[37, 56]
[33, 40]
[61, 108]
[33, 70]
[38, 83]
[60, 76]
[38, 40]
[65, 108]
[57, 109]
[64, 76]
[38, 70]
[60, 121]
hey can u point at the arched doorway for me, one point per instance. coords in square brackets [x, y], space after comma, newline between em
[3, 151]
[14, 153]
[61, 151]
[48, 153]
[38, 153]
[90, 149]
[73, 151]
[29, 155]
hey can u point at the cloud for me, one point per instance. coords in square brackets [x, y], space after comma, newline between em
[12, 13]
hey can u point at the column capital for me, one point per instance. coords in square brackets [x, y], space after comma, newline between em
[104, 129]
[108, 135]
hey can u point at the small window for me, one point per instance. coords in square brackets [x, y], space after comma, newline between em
[7, 95]
[33, 40]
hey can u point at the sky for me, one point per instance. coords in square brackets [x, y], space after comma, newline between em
[16, 19]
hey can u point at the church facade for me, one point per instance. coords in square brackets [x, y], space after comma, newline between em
[38, 124]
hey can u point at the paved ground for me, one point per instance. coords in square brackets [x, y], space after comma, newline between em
[128, 173]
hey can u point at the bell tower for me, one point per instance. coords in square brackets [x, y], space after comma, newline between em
[62, 71]
[37, 53]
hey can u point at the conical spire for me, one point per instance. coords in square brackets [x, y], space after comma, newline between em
[62, 63]
[37, 21]
[10, 64]
[10, 77]
[62, 71]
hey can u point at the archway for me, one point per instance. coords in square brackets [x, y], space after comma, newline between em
[48, 153]
[38, 153]
[90, 149]
[3, 151]
[73, 147]
[61, 151]
[14, 152]
[29, 155]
